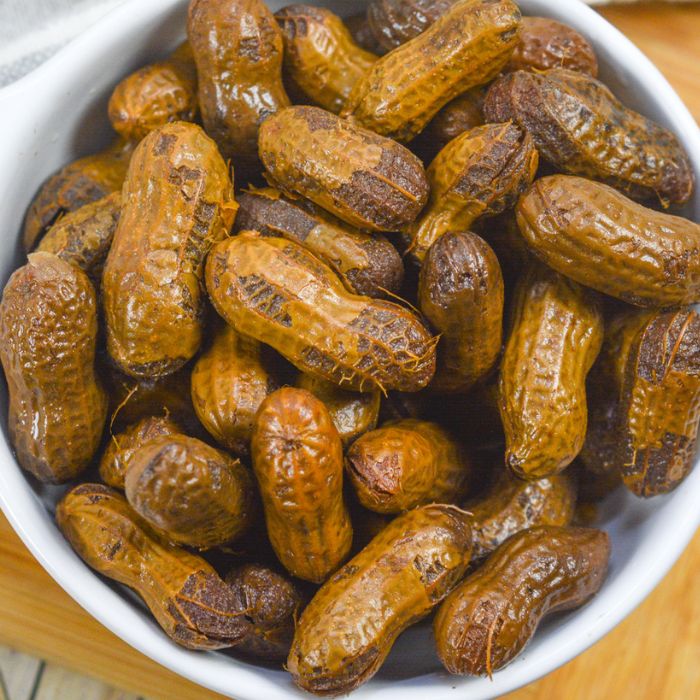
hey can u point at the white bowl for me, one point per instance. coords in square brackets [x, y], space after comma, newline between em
[58, 113]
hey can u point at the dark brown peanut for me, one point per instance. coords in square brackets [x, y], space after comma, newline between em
[406, 464]
[580, 127]
[461, 294]
[274, 290]
[365, 179]
[513, 505]
[461, 114]
[596, 236]
[394, 22]
[191, 603]
[238, 49]
[272, 604]
[490, 617]
[229, 382]
[661, 404]
[298, 461]
[123, 446]
[466, 47]
[359, 28]
[83, 237]
[192, 493]
[48, 332]
[367, 263]
[349, 627]
[545, 43]
[353, 413]
[177, 201]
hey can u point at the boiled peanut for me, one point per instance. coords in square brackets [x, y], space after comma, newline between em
[298, 462]
[177, 201]
[545, 43]
[191, 603]
[238, 49]
[123, 446]
[488, 619]
[275, 291]
[229, 382]
[353, 413]
[394, 22]
[406, 464]
[367, 263]
[596, 236]
[48, 331]
[461, 294]
[660, 408]
[83, 181]
[83, 237]
[191, 492]
[513, 505]
[320, 55]
[347, 630]
[155, 95]
[480, 173]
[359, 29]
[461, 114]
[556, 334]
[599, 453]
[466, 47]
[581, 128]
[272, 603]
[366, 180]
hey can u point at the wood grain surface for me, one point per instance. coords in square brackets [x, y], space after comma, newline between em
[653, 655]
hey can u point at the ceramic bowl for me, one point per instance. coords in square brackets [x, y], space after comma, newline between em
[58, 113]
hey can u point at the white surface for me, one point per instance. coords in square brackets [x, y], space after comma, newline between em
[58, 113]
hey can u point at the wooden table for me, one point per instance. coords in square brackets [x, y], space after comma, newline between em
[653, 655]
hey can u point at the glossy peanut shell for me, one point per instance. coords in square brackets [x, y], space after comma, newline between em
[155, 95]
[274, 290]
[348, 629]
[461, 294]
[353, 412]
[298, 462]
[513, 505]
[83, 237]
[177, 201]
[76, 184]
[366, 180]
[660, 408]
[600, 238]
[238, 50]
[195, 608]
[123, 446]
[48, 332]
[490, 617]
[320, 56]
[461, 114]
[193, 493]
[556, 334]
[482, 172]
[229, 382]
[367, 263]
[272, 603]
[545, 43]
[581, 128]
[468, 46]
[407, 464]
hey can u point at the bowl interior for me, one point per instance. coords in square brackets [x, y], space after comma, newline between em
[57, 114]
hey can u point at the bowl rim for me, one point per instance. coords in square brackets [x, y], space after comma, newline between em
[226, 675]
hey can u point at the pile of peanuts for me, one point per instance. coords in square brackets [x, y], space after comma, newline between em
[300, 414]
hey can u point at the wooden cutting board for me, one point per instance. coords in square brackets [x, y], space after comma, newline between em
[653, 655]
